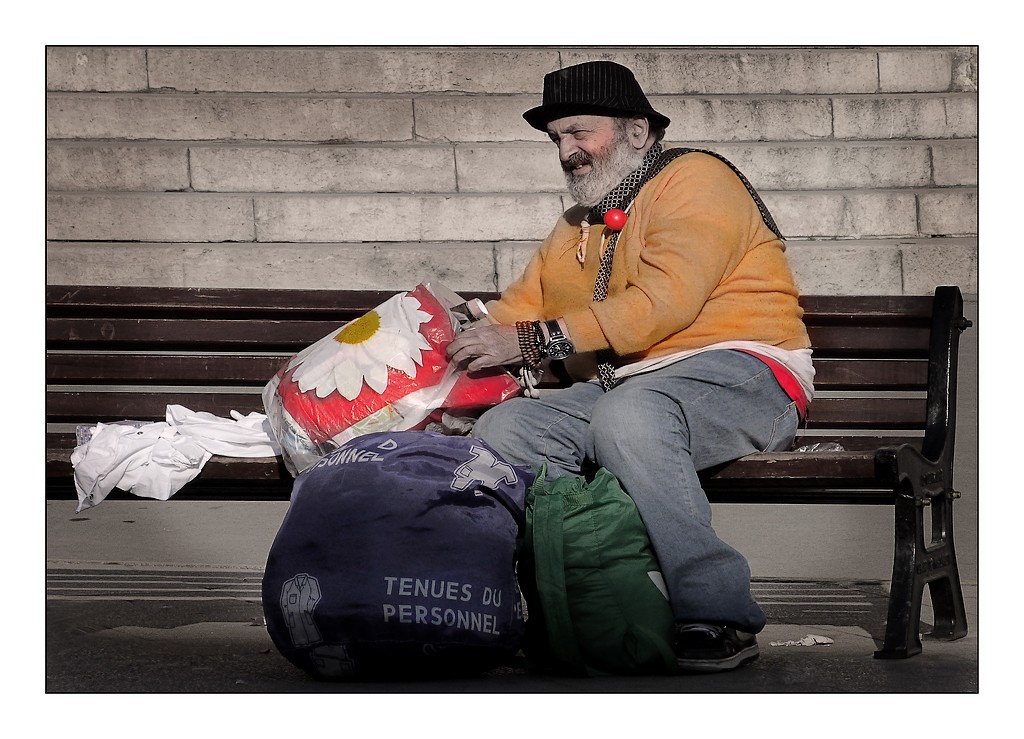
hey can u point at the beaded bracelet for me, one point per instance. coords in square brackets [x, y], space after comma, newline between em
[528, 344]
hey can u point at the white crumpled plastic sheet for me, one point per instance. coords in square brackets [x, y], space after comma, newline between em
[155, 460]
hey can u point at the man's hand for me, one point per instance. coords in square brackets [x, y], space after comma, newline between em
[486, 346]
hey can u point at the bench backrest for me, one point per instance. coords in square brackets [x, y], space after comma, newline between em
[118, 353]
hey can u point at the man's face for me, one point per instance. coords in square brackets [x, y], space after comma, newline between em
[595, 154]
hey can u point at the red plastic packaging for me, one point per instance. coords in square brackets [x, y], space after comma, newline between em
[385, 371]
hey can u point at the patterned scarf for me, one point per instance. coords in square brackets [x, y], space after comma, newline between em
[617, 198]
[628, 188]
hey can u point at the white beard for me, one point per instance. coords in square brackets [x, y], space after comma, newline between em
[608, 171]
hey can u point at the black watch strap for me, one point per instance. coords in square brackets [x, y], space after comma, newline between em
[556, 345]
[554, 331]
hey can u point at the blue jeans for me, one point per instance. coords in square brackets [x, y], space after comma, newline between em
[654, 432]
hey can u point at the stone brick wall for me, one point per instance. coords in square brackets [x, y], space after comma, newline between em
[372, 167]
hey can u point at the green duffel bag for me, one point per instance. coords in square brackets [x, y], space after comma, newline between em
[595, 595]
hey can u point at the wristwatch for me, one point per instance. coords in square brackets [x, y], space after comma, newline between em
[556, 345]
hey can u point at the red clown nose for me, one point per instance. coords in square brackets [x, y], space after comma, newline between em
[615, 219]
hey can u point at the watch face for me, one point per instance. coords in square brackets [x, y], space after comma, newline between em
[559, 349]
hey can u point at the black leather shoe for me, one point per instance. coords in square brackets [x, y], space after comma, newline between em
[708, 648]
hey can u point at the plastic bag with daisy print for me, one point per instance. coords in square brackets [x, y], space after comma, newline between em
[384, 371]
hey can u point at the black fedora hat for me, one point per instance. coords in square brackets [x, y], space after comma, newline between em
[592, 88]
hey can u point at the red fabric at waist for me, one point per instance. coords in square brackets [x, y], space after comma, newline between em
[787, 381]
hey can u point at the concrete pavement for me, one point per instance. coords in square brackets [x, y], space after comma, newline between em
[142, 598]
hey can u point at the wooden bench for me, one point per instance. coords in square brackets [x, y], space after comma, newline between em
[886, 383]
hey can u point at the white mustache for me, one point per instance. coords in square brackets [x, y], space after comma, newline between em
[575, 160]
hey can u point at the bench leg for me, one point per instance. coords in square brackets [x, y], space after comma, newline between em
[917, 564]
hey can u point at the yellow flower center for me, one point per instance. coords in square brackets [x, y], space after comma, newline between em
[359, 330]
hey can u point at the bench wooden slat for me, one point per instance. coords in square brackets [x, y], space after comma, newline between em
[58, 465]
[859, 442]
[292, 335]
[866, 309]
[882, 374]
[98, 299]
[867, 413]
[871, 341]
[134, 368]
[87, 406]
[171, 333]
[849, 469]
[69, 406]
[150, 369]
[843, 479]
[66, 441]
[818, 309]
[837, 469]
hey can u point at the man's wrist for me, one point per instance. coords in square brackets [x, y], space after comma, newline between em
[529, 345]
[553, 339]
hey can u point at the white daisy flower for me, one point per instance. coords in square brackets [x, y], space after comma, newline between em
[364, 349]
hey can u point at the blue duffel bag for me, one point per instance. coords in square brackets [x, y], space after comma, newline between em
[396, 559]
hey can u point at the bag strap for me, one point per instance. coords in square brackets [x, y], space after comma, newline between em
[549, 571]
[667, 157]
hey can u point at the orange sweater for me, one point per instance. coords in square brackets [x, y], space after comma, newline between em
[694, 265]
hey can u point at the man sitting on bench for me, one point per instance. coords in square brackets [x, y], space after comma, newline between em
[689, 346]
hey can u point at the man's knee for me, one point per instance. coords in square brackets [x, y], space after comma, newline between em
[635, 413]
[502, 426]
[531, 432]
